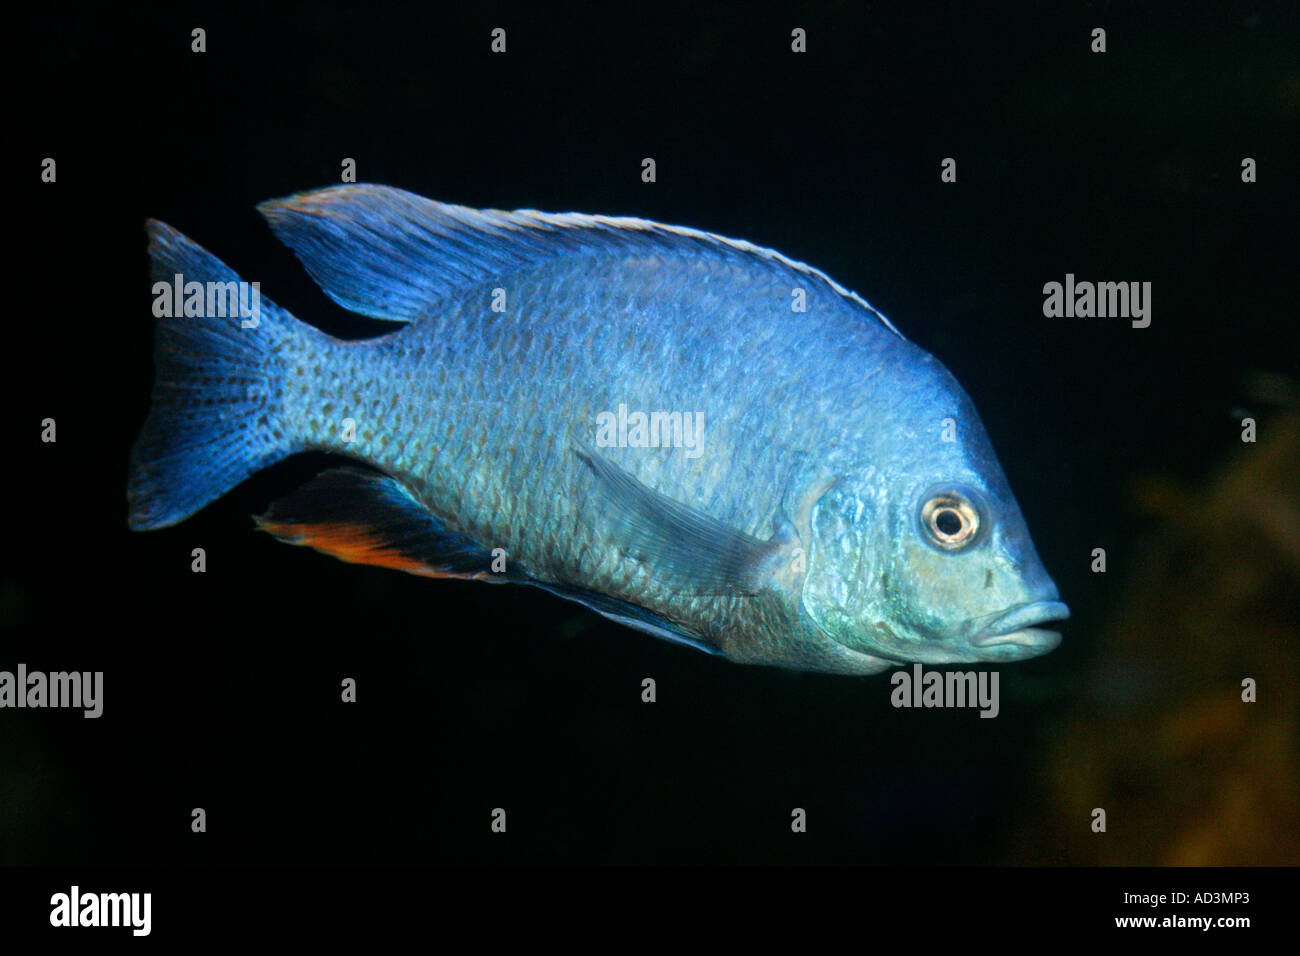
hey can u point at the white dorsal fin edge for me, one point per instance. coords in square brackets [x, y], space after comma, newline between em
[388, 253]
[534, 219]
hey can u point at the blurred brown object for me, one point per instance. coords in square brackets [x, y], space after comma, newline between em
[1159, 736]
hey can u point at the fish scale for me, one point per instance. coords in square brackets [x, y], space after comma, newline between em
[497, 499]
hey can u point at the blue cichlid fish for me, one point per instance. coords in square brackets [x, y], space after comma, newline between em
[689, 434]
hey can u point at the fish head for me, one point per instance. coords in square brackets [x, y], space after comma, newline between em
[924, 555]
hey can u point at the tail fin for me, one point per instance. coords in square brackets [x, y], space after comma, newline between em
[215, 413]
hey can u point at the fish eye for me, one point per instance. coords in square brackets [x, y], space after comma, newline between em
[950, 519]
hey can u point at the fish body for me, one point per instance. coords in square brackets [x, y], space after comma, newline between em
[694, 436]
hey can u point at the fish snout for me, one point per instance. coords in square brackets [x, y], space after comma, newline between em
[1015, 634]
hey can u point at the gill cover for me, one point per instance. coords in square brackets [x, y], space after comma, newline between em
[841, 572]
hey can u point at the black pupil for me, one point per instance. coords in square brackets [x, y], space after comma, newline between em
[948, 522]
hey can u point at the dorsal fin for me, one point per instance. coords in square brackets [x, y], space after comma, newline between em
[391, 254]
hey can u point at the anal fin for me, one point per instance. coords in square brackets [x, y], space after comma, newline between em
[367, 518]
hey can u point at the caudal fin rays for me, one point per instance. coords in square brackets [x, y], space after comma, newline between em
[214, 417]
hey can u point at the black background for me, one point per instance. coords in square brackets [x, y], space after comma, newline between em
[222, 689]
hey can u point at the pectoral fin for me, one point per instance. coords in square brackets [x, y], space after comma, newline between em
[695, 552]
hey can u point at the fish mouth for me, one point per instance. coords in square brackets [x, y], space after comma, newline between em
[1019, 628]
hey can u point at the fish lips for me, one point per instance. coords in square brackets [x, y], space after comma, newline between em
[1016, 633]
